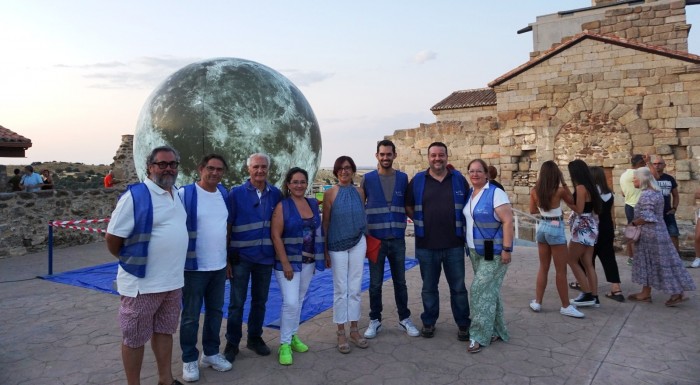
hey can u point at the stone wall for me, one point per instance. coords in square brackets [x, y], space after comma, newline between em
[661, 24]
[465, 114]
[24, 218]
[124, 169]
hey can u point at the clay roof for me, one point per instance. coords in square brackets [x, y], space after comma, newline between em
[610, 39]
[467, 98]
[12, 144]
[9, 138]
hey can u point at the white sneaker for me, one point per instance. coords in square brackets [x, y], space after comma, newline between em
[190, 371]
[536, 307]
[571, 311]
[409, 327]
[696, 263]
[373, 328]
[218, 362]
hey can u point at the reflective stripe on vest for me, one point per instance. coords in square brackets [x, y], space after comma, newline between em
[293, 234]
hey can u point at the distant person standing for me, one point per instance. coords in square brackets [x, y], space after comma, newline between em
[250, 255]
[109, 180]
[15, 181]
[434, 200]
[631, 195]
[669, 189]
[493, 174]
[205, 268]
[31, 181]
[148, 234]
[47, 181]
[385, 191]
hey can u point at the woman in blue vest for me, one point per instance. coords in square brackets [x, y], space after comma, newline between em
[344, 224]
[490, 242]
[296, 235]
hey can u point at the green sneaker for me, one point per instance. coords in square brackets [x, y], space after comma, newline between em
[297, 345]
[285, 353]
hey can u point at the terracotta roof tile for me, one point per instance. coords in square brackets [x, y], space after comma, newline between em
[658, 50]
[9, 138]
[467, 98]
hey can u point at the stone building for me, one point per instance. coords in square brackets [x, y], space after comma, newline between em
[621, 83]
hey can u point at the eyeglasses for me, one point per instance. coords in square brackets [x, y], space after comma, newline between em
[163, 165]
[658, 163]
[298, 182]
[212, 169]
[346, 168]
[476, 171]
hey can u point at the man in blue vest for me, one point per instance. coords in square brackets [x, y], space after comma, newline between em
[385, 190]
[434, 200]
[148, 234]
[205, 268]
[250, 255]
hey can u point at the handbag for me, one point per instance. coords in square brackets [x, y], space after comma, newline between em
[632, 233]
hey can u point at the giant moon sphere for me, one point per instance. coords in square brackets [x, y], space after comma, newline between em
[232, 107]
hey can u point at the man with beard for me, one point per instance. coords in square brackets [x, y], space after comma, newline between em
[205, 267]
[385, 190]
[434, 200]
[250, 255]
[148, 234]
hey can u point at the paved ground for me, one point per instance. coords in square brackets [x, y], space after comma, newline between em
[58, 334]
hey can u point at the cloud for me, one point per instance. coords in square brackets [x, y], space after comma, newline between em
[424, 56]
[305, 78]
[143, 72]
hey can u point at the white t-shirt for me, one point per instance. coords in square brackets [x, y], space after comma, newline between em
[499, 198]
[211, 229]
[167, 248]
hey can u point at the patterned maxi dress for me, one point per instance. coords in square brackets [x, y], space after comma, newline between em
[656, 262]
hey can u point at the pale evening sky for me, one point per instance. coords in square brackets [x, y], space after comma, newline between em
[74, 74]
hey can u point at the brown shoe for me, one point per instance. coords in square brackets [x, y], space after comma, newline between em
[637, 298]
[357, 339]
[675, 300]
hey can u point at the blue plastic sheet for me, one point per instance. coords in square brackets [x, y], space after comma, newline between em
[318, 299]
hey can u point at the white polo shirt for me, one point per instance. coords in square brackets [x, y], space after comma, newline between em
[167, 248]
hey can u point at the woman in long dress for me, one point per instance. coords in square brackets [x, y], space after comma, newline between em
[656, 262]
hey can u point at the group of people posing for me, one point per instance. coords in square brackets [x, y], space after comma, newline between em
[30, 181]
[656, 263]
[177, 247]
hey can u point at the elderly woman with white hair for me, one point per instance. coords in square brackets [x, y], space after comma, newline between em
[656, 261]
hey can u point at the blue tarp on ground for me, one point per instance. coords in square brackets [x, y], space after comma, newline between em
[319, 298]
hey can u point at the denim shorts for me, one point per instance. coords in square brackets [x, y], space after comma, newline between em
[551, 232]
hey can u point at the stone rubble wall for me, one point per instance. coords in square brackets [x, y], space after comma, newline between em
[124, 169]
[24, 218]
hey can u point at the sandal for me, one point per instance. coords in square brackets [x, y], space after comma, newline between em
[474, 347]
[343, 345]
[358, 341]
[496, 339]
[575, 286]
[675, 300]
[616, 296]
[636, 298]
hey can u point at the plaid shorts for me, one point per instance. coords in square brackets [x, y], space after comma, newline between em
[145, 314]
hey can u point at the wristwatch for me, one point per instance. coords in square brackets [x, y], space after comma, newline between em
[508, 249]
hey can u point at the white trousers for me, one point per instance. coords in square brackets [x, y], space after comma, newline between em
[347, 268]
[293, 293]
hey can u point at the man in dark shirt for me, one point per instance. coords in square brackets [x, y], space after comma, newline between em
[434, 200]
[669, 189]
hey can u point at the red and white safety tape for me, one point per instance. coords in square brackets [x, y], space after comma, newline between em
[78, 221]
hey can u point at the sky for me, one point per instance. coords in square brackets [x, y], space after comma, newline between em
[75, 74]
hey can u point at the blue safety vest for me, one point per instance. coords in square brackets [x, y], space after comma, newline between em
[459, 196]
[485, 225]
[190, 202]
[134, 252]
[293, 235]
[250, 225]
[385, 221]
